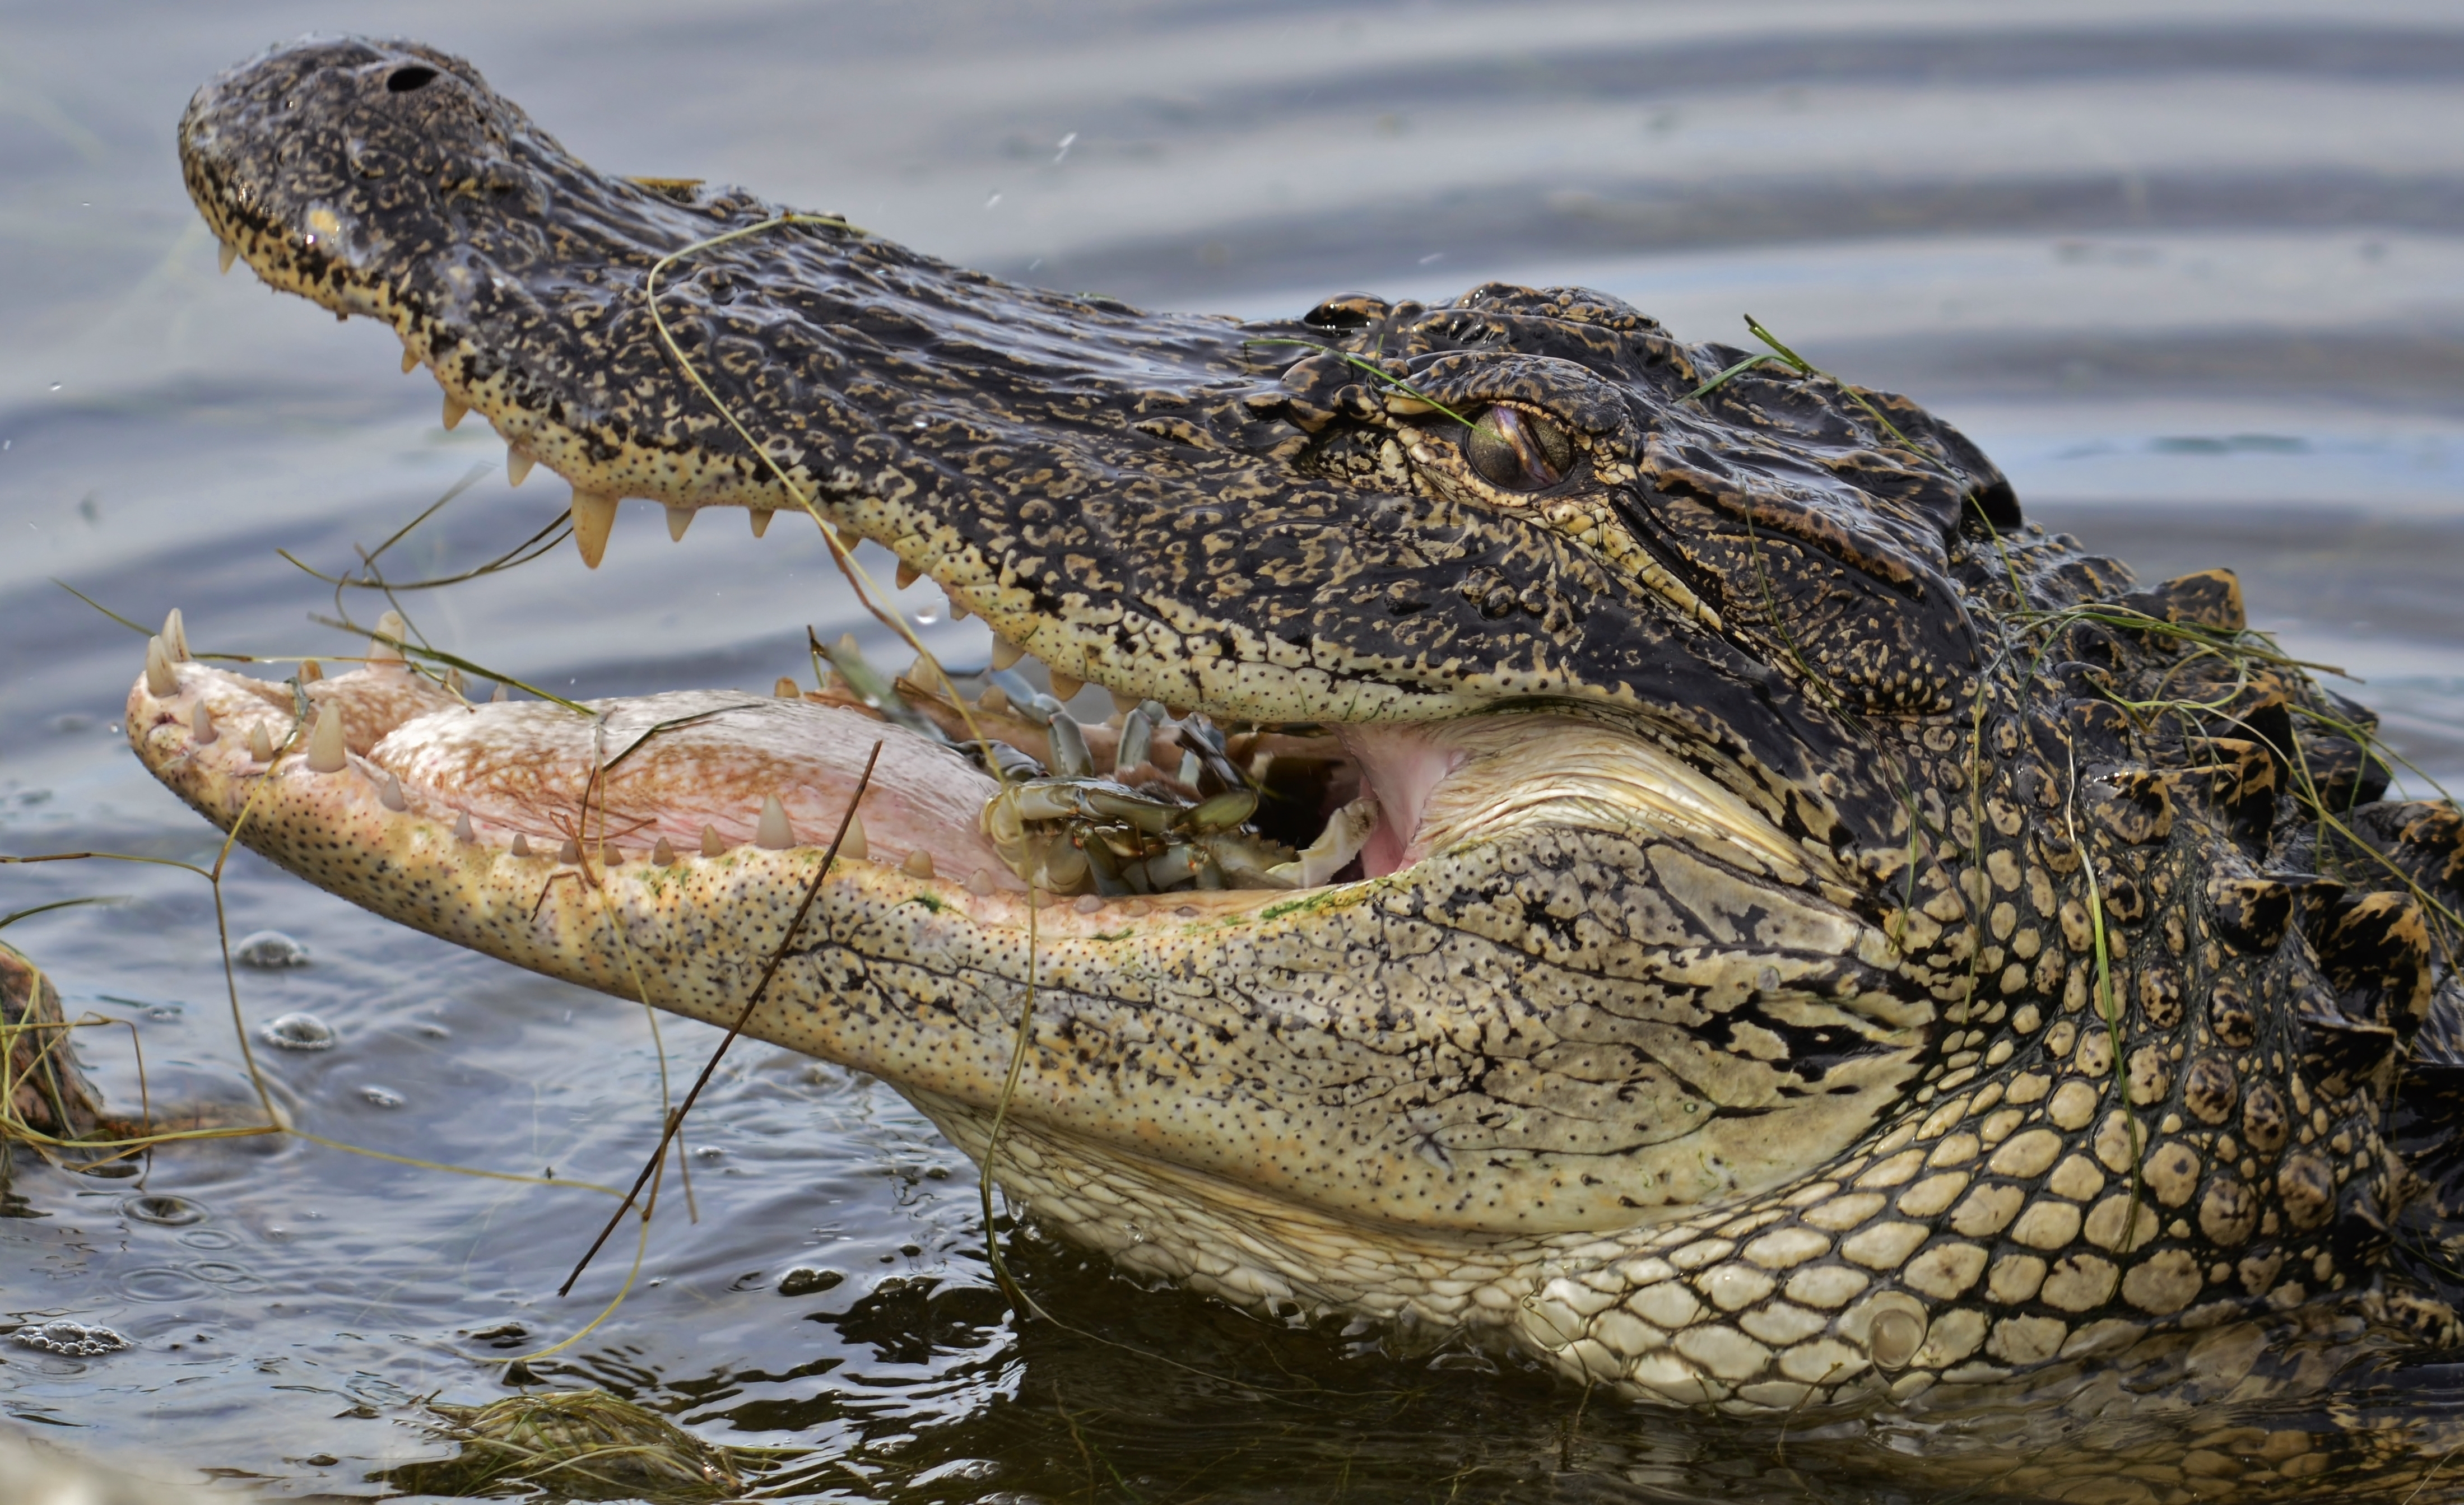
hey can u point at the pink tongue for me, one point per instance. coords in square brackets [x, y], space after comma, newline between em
[677, 762]
[1400, 765]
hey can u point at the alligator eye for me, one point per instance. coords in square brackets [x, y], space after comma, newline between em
[1515, 451]
[402, 81]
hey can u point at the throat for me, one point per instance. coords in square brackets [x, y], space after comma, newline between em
[1443, 784]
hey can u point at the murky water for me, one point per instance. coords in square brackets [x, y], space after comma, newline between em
[2193, 274]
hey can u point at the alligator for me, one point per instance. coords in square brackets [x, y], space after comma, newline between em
[1632, 850]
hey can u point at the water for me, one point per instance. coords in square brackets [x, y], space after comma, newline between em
[2194, 273]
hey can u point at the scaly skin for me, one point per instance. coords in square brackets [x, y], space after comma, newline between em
[1837, 983]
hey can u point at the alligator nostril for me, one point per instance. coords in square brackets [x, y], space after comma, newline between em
[402, 81]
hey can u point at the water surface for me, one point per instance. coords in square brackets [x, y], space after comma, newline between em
[2194, 273]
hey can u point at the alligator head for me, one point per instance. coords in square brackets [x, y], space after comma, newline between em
[1700, 795]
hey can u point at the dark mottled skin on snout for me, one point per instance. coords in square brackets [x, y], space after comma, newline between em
[2127, 992]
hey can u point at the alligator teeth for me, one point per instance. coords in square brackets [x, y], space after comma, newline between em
[594, 515]
[389, 794]
[1122, 704]
[522, 846]
[1006, 653]
[498, 696]
[568, 851]
[517, 466]
[785, 689]
[979, 883]
[389, 625]
[410, 361]
[908, 575]
[462, 831]
[662, 854]
[260, 746]
[326, 746]
[918, 863]
[1065, 689]
[775, 833]
[711, 845]
[611, 857]
[958, 609]
[760, 521]
[201, 725]
[160, 678]
[454, 408]
[311, 671]
[854, 844]
[679, 518]
[175, 638]
[225, 255]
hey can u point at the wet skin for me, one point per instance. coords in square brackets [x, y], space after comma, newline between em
[1805, 935]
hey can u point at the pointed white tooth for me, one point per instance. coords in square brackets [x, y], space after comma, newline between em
[498, 696]
[918, 863]
[612, 856]
[389, 625]
[453, 680]
[711, 845]
[908, 575]
[160, 678]
[785, 689]
[979, 883]
[410, 361]
[594, 516]
[454, 408]
[993, 700]
[311, 671]
[224, 255]
[326, 744]
[1006, 653]
[175, 636]
[389, 794]
[568, 851]
[260, 746]
[775, 833]
[522, 846]
[517, 466]
[760, 521]
[1065, 689]
[679, 518]
[663, 853]
[201, 725]
[462, 831]
[854, 844]
[1122, 704]
[958, 609]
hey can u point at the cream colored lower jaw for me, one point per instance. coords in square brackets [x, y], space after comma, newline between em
[1222, 1239]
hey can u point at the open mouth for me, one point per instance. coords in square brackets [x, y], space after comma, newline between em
[975, 799]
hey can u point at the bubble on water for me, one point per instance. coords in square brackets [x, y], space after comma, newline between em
[382, 1097]
[270, 948]
[804, 1282]
[76, 1339]
[164, 1211]
[302, 1032]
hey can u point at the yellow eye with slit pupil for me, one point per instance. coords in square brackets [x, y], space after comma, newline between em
[1518, 451]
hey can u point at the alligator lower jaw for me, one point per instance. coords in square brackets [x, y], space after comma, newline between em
[461, 818]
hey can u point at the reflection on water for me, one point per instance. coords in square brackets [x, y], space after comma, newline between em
[2192, 276]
